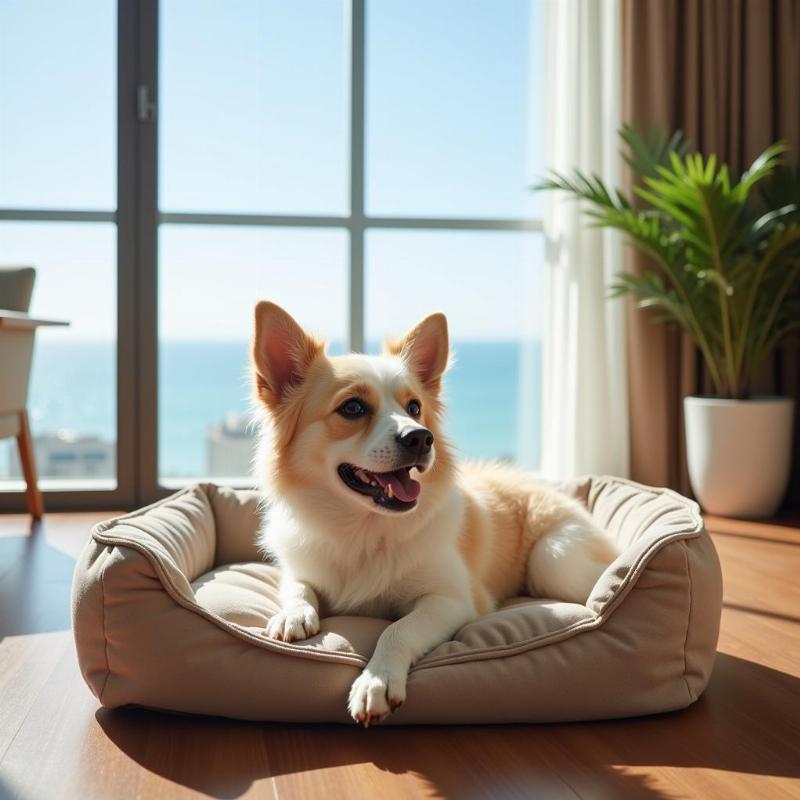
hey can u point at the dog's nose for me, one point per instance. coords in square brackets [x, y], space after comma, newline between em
[418, 440]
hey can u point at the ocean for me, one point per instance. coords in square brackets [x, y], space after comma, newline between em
[201, 382]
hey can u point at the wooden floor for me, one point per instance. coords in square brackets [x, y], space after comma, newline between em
[740, 740]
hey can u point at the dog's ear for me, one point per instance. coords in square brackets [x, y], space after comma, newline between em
[282, 353]
[426, 349]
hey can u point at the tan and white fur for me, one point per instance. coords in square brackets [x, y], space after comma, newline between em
[369, 513]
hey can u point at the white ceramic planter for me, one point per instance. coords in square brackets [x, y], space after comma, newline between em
[739, 453]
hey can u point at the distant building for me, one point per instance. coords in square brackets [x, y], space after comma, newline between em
[229, 447]
[68, 455]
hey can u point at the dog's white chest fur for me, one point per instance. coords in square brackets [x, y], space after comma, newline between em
[370, 566]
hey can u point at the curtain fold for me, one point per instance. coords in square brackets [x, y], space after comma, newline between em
[584, 398]
[727, 73]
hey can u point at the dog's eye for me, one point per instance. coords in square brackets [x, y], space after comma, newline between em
[352, 408]
[414, 408]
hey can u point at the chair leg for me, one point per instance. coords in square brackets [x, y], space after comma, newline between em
[33, 496]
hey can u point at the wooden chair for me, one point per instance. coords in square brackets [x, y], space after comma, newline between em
[17, 331]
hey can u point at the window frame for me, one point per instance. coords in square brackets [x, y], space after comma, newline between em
[138, 219]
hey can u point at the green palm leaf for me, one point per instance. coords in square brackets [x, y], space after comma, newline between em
[724, 253]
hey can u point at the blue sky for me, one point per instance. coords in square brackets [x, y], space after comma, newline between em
[254, 118]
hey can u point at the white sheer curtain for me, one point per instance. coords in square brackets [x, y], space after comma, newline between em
[584, 390]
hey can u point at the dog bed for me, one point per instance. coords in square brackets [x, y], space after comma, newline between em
[170, 605]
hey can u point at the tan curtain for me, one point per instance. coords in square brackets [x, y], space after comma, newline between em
[727, 73]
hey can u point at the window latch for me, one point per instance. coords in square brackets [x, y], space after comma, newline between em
[146, 107]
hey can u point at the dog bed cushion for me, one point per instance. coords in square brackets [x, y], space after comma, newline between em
[170, 606]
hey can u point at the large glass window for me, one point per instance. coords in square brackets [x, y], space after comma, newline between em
[361, 162]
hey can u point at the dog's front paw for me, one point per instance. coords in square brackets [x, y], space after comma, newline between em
[374, 695]
[293, 624]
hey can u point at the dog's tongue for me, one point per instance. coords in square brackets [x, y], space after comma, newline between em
[404, 487]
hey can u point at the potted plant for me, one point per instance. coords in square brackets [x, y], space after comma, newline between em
[723, 264]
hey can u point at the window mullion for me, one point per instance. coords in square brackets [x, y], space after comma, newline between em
[146, 386]
[357, 143]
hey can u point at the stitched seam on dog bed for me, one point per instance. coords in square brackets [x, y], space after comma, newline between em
[507, 650]
[688, 621]
[105, 633]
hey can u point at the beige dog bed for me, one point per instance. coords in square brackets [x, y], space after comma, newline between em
[170, 605]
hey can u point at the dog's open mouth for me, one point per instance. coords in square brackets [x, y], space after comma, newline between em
[395, 490]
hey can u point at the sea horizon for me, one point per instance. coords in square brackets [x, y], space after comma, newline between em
[203, 382]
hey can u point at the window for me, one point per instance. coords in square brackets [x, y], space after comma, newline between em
[487, 281]
[452, 120]
[57, 202]
[58, 105]
[204, 322]
[253, 106]
[361, 162]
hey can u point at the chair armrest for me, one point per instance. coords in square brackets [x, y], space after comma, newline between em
[17, 320]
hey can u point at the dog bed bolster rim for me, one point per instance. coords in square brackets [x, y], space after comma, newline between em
[112, 533]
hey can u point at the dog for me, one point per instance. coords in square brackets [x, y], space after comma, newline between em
[370, 514]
